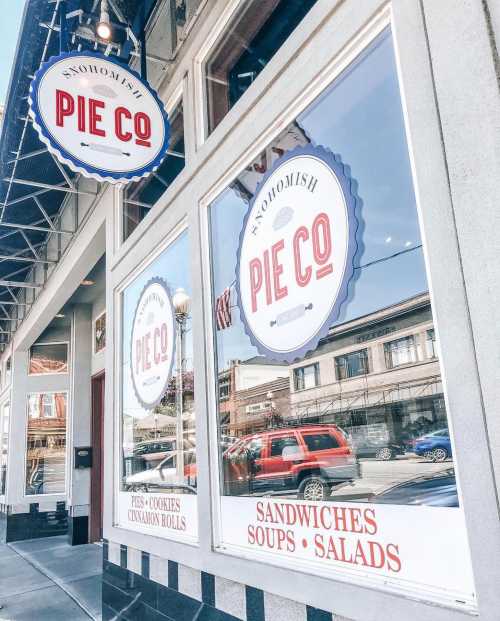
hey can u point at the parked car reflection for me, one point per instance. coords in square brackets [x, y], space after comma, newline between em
[438, 489]
[164, 476]
[435, 446]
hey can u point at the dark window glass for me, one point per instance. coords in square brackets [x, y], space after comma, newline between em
[278, 444]
[351, 365]
[320, 442]
[140, 196]
[49, 358]
[259, 30]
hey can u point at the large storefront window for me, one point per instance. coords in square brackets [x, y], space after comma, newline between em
[260, 29]
[46, 446]
[158, 485]
[327, 327]
[4, 446]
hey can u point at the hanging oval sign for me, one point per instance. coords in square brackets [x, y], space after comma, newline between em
[99, 117]
[152, 343]
[296, 252]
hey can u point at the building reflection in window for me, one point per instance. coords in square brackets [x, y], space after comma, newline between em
[47, 358]
[159, 443]
[364, 412]
[4, 447]
[46, 444]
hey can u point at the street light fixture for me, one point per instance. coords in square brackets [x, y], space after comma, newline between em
[104, 25]
[181, 303]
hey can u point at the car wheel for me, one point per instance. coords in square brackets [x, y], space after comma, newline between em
[439, 454]
[314, 488]
[385, 454]
[138, 488]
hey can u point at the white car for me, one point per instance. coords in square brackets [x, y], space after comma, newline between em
[164, 475]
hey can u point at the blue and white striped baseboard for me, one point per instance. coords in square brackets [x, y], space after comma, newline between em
[139, 585]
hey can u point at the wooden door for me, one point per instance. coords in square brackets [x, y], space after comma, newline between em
[96, 480]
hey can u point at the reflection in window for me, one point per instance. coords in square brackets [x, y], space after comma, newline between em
[46, 444]
[140, 196]
[351, 365]
[159, 443]
[4, 446]
[368, 433]
[260, 29]
[278, 445]
[48, 358]
[8, 365]
[320, 442]
[400, 351]
[306, 377]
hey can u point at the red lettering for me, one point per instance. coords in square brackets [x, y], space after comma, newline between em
[142, 125]
[156, 350]
[392, 551]
[279, 292]
[267, 278]
[121, 112]
[147, 350]
[65, 106]
[302, 278]
[138, 354]
[255, 281]
[164, 341]
[321, 256]
[95, 117]
[81, 113]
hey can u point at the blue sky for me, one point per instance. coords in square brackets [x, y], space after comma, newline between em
[9, 30]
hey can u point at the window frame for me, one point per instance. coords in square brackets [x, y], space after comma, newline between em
[67, 471]
[6, 403]
[179, 229]
[68, 358]
[317, 377]
[366, 351]
[380, 21]
[388, 351]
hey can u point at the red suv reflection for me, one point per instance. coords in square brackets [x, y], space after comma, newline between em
[309, 459]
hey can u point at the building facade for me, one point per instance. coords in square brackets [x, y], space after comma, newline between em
[266, 486]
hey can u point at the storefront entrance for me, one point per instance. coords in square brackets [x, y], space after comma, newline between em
[96, 490]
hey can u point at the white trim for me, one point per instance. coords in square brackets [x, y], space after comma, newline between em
[201, 117]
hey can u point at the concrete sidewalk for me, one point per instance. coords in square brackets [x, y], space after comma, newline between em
[49, 580]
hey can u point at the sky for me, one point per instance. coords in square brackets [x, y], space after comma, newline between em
[12, 11]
